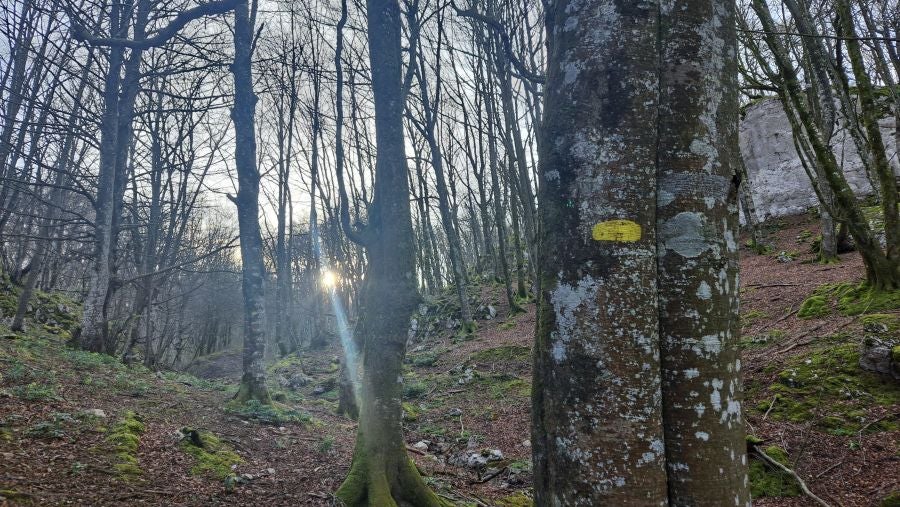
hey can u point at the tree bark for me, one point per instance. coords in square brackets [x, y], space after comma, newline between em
[253, 382]
[697, 231]
[381, 473]
[597, 406]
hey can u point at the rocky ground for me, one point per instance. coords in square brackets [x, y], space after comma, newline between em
[81, 429]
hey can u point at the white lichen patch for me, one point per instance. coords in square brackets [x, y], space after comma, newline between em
[704, 291]
[567, 300]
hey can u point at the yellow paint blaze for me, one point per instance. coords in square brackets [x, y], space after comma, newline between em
[616, 230]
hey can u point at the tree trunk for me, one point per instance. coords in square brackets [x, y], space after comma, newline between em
[499, 210]
[382, 474]
[597, 411]
[253, 382]
[696, 220]
[92, 331]
[457, 264]
[745, 195]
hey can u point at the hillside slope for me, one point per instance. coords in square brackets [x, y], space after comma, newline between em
[80, 428]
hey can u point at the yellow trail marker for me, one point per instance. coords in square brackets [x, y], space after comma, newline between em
[616, 230]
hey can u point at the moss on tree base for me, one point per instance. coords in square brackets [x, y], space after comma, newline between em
[385, 479]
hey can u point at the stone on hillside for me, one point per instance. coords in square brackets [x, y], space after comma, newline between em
[879, 351]
[296, 381]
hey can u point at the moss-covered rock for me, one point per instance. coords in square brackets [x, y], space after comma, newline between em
[829, 388]
[124, 438]
[213, 457]
[880, 347]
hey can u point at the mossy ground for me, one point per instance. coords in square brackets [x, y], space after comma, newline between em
[212, 456]
[828, 388]
[814, 307]
[517, 500]
[510, 353]
[274, 413]
[768, 481]
[892, 500]
[53, 313]
[849, 299]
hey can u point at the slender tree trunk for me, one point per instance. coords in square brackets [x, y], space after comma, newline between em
[381, 473]
[457, 264]
[499, 210]
[745, 194]
[253, 382]
[92, 331]
[514, 206]
[888, 277]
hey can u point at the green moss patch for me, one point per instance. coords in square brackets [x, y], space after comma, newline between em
[124, 439]
[505, 386]
[768, 481]
[423, 359]
[881, 323]
[829, 388]
[750, 317]
[892, 500]
[411, 412]
[813, 307]
[213, 457]
[851, 299]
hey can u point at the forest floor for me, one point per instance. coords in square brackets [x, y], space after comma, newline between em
[82, 429]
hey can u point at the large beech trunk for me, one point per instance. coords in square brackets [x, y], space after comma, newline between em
[637, 389]
[597, 404]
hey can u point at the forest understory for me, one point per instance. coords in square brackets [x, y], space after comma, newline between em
[78, 428]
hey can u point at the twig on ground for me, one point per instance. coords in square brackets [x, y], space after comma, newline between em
[413, 449]
[490, 476]
[765, 457]
[832, 467]
[771, 406]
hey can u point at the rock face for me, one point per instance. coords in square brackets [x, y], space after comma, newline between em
[780, 185]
